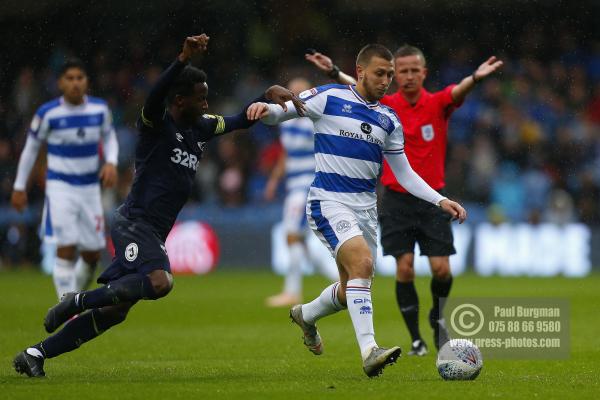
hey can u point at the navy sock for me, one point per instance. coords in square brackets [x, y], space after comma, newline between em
[440, 289]
[71, 336]
[408, 302]
[129, 288]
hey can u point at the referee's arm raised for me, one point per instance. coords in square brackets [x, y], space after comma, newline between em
[460, 91]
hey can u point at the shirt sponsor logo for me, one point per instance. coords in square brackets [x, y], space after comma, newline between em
[366, 128]
[368, 138]
[184, 158]
[427, 132]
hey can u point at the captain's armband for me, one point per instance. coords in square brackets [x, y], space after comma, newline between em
[220, 122]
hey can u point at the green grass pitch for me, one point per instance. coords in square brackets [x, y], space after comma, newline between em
[212, 338]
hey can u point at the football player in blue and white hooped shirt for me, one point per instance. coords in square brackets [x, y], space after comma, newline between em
[297, 164]
[353, 132]
[73, 126]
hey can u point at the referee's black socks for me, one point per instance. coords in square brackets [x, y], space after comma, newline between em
[440, 289]
[408, 302]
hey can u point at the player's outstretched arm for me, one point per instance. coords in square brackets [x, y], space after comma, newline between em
[271, 114]
[18, 198]
[325, 64]
[276, 94]
[154, 107]
[416, 186]
[460, 91]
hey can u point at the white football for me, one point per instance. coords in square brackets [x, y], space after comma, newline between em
[459, 359]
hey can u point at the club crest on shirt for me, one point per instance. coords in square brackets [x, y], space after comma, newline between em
[383, 121]
[427, 132]
[201, 145]
[179, 136]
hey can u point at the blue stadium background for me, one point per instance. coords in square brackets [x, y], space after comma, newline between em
[525, 147]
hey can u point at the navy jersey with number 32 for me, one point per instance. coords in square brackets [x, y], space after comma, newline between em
[168, 156]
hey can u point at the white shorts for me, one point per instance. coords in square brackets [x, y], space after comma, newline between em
[335, 223]
[73, 215]
[294, 212]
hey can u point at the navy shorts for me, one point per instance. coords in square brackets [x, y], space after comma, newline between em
[138, 249]
[406, 220]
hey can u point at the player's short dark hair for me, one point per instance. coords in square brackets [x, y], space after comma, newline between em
[72, 63]
[408, 50]
[185, 82]
[373, 50]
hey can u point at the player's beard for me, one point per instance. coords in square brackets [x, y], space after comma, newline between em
[373, 92]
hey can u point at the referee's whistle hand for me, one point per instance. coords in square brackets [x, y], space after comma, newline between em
[454, 209]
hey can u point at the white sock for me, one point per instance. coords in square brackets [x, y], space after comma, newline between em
[63, 275]
[326, 304]
[293, 279]
[83, 274]
[358, 298]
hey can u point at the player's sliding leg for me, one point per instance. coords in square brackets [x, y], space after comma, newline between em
[441, 283]
[84, 328]
[85, 268]
[357, 259]
[408, 301]
[129, 288]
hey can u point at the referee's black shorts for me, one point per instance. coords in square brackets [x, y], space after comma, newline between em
[406, 220]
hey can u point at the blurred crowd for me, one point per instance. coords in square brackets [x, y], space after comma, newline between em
[525, 146]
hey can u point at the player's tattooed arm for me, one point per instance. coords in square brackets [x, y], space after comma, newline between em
[460, 91]
[154, 107]
[325, 64]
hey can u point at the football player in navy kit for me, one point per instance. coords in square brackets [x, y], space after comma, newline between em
[169, 148]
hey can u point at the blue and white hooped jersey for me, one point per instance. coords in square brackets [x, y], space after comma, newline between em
[73, 134]
[351, 136]
[297, 138]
